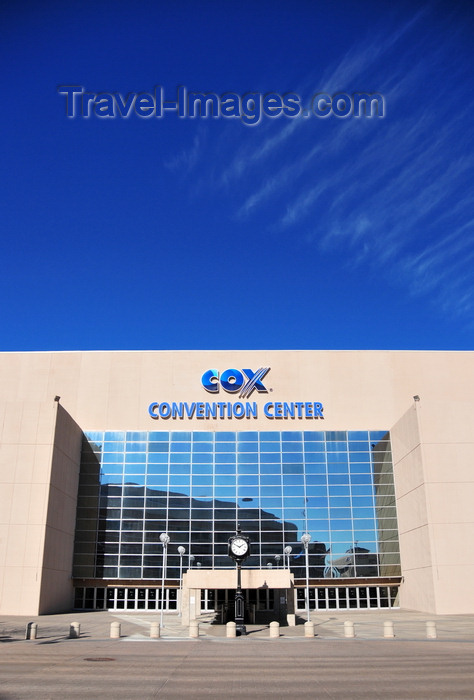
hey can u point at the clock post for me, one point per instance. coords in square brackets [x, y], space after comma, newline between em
[239, 550]
[239, 605]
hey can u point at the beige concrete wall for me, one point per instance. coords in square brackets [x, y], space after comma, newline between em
[26, 446]
[433, 448]
[37, 506]
[56, 583]
[447, 438]
[417, 589]
[227, 578]
[359, 389]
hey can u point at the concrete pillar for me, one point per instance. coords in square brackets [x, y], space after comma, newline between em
[31, 630]
[194, 629]
[388, 629]
[155, 630]
[349, 629]
[114, 630]
[431, 630]
[74, 630]
[191, 605]
[274, 629]
[230, 629]
[290, 607]
[198, 602]
[309, 629]
[190, 602]
[185, 606]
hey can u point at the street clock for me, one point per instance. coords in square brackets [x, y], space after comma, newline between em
[239, 547]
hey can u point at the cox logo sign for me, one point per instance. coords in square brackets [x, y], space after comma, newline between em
[233, 380]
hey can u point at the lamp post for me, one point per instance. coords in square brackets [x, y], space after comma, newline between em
[286, 552]
[277, 560]
[191, 559]
[164, 539]
[181, 551]
[305, 540]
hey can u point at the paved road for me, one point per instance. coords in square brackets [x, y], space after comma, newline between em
[245, 667]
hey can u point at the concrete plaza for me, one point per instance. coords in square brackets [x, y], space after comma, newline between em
[175, 666]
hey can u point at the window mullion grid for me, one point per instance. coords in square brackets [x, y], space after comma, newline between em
[328, 508]
[213, 502]
[259, 496]
[374, 510]
[349, 473]
[282, 500]
[122, 497]
[98, 509]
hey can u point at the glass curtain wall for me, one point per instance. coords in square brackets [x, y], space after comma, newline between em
[196, 486]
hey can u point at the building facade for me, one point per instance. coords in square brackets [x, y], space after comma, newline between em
[367, 452]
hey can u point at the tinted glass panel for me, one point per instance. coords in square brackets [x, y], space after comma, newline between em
[196, 486]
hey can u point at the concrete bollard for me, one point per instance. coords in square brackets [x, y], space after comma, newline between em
[114, 630]
[194, 629]
[309, 629]
[31, 630]
[388, 629]
[74, 630]
[349, 629]
[155, 630]
[431, 630]
[274, 629]
[230, 629]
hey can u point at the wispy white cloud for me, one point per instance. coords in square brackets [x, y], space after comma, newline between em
[251, 155]
[449, 259]
[387, 194]
[365, 54]
[284, 177]
[186, 160]
[341, 77]
[351, 66]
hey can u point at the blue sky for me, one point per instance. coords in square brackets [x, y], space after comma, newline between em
[170, 233]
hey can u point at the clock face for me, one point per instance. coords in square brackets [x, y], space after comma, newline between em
[239, 546]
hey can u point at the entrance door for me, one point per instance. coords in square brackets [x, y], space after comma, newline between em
[265, 599]
[137, 598]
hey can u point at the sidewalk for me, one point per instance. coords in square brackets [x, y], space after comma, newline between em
[135, 625]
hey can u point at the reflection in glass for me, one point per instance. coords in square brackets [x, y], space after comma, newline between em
[198, 485]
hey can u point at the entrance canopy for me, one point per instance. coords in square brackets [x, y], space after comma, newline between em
[196, 580]
[227, 578]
